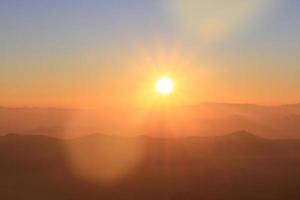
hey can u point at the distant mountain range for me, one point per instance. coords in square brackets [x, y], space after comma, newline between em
[206, 119]
[234, 166]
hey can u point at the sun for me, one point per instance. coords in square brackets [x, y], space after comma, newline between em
[165, 85]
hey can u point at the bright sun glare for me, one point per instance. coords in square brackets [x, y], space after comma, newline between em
[165, 85]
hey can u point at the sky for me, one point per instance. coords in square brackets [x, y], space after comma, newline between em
[93, 53]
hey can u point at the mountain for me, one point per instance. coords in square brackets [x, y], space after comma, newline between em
[206, 119]
[242, 135]
[240, 165]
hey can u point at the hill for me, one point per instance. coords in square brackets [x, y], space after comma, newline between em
[205, 119]
[234, 166]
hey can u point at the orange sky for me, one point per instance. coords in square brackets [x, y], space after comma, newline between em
[94, 54]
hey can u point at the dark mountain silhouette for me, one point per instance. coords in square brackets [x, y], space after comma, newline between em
[242, 135]
[234, 166]
[204, 119]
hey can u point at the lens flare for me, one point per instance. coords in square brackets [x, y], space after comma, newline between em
[216, 20]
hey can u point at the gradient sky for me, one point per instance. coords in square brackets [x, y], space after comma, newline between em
[107, 52]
